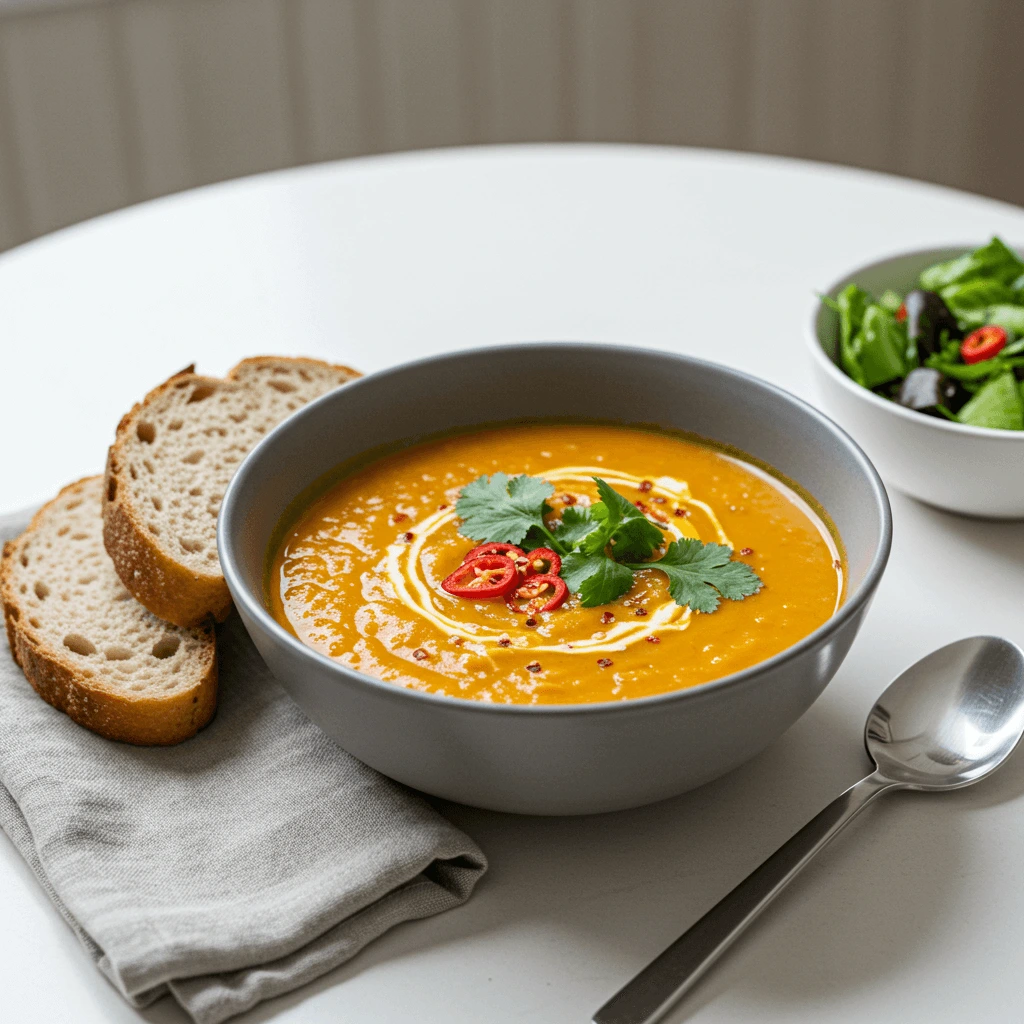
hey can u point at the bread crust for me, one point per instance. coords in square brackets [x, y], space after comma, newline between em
[140, 719]
[165, 586]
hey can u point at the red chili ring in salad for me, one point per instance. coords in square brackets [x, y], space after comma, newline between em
[508, 550]
[543, 562]
[483, 577]
[532, 590]
[983, 344]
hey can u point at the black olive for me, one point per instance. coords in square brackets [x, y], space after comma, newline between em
[955, 395]
[927, 317]
[924, 389]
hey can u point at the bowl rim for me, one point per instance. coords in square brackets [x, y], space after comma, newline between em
[821, 357]
[849, 610]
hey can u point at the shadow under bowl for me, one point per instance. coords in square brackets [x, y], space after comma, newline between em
[556, 759]
[969, 470]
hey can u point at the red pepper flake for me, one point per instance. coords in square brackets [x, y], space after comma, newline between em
[399, 517]
[457, 640]
[658, 500]
[531, 621]
[504, 642]
[641, 612]
[682, 513]
[640, 505]
[645, 486]
[420, 654]
[838, 564]
[534, 666]
[441, 508]
[746, 551]
[605, 662]
[607, 617]
[653, 639]
[408, 536]
[568, 499]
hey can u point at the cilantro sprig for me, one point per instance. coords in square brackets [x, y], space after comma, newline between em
[602, 545]
[699, 575]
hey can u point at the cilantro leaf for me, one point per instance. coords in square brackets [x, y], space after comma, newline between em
[577, 567]
[637, 537]
[598, 579]
[503, 509]
[700, 574]
[577, 523]
[529, 492]
[622, 523]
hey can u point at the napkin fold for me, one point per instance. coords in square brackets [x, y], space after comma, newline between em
[231, 868]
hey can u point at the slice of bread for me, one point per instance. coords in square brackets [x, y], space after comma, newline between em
[169, 466]
[86, 645]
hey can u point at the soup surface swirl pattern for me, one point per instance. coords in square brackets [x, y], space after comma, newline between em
[357, 576]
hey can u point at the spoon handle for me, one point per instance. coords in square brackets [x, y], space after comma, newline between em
[653, 991]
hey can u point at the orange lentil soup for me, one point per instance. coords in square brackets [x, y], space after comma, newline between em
[357, 575]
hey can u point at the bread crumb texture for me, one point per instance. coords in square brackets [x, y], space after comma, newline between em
[86, 645]
[171, 462]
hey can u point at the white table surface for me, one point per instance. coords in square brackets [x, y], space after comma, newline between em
[916, 915]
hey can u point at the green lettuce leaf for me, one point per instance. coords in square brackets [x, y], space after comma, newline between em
[998, 404]
[973, 299]
[994, 260]
[890, 301]
[1009, 317]
[878, 352]
[966, 371]
[850, 304]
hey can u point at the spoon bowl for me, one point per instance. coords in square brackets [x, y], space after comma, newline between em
[952, 718]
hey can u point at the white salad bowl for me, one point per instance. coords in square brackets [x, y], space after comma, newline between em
[974, 471]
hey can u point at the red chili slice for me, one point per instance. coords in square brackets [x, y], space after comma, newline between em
[983, 344]
[901, 313]
[533, 590]
[486, 576]
[543, 562]
[508, 550]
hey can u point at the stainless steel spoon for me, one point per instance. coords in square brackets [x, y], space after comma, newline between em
[945, 723]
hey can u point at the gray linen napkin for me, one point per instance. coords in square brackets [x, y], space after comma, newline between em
[233, 867]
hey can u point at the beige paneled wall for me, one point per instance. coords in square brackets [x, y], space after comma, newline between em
[106, 102]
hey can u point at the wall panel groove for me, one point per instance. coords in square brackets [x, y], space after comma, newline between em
[14, 225]
[105, 102]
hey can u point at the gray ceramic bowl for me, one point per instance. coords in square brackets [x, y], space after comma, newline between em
[561, 759]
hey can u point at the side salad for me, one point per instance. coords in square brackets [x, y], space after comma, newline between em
[952, 347]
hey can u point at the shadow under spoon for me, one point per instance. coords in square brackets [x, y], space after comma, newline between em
[946, 722]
